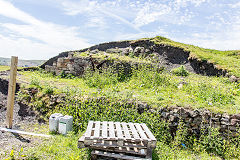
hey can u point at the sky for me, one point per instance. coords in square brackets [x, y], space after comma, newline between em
[41, 29]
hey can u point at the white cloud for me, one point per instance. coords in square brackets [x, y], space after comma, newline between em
[83, 6]
[96, 22]
[157, 32]
[151, 12]
[229, 39]
[43, 39]
[93, 8]
[236, 5]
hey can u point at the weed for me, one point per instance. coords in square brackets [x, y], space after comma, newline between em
[35, 82]
[180, 71]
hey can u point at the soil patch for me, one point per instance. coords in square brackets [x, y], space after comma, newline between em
[23, 119]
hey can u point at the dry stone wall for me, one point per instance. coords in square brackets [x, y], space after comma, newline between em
[198, 119]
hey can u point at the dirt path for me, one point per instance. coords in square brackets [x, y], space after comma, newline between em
[23, 119]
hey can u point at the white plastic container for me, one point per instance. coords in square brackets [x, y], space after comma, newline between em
[54, 121]
[65, 124]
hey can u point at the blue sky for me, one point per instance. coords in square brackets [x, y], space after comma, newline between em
[40, 29]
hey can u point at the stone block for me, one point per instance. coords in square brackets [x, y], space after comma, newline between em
[235, 116]
[60, 60]
[69, 65]
[59, 64]
[234, 122]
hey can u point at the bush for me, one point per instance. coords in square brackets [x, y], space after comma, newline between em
[66, 75]
[148, 77]
[100, 79]
[48, 89]
[180, 71]
[35, 82]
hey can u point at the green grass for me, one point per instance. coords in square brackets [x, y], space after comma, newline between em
[4, 68]
[60, 148]
[115, 57]
[228, 60]
[84, 109]
[65, 148]
[157, 89]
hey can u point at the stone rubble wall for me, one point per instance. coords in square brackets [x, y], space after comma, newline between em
[70, 65]
[197, 119]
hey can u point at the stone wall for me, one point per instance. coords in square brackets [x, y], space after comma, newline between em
[70, 65]
[197, 119]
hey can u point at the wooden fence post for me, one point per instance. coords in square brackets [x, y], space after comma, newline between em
[11, 91]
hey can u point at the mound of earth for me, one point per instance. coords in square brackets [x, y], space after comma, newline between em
[163, 55]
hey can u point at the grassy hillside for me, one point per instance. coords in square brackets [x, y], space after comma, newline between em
[228, 60]
[217, 94]
[157, 89]
[103, 96]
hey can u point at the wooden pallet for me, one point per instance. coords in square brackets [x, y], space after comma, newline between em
[96, 153]
[119, 137]
[120, 132]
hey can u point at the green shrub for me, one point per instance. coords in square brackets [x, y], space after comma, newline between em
[148, 77]
[66, 75]
[100, 79]
[180, 71]
[35, 82]
[48, 89]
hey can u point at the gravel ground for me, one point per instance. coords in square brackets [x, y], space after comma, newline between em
[23, 119]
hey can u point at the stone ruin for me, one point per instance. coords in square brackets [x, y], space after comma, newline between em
[163, 55]
[70, 65]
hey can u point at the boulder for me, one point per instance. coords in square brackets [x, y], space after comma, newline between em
[138, 50]
[234, 122]
[233, 79]
[95, 51]
[127, 51]
[235, 116]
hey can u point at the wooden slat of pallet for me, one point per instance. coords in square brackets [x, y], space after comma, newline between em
[153, 141]
[134, 131]
[116, 144]
[117, 156]
[148, 132]
[104, 130]
[111, 130]
[88, 132]
[141, 132]
[126, 131]
[119, 130]
[97, 129]
[126, 150]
